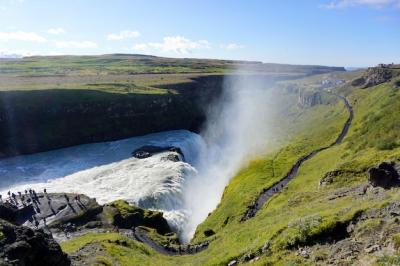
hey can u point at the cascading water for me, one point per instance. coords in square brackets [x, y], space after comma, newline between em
[238, 128]
[107, 172]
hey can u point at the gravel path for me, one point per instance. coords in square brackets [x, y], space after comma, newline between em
[276, 188]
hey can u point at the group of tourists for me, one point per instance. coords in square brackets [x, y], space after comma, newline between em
[19, 199]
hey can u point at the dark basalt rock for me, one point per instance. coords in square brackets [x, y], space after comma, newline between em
[148, 151]
[12, 214]
[374, 76]
[23, 246]
[309, 98]
[384, 175]
[171, 157]
[358, 82]
[209, 232]
[329, 177]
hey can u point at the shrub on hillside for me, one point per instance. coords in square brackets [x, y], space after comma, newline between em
[386, 144]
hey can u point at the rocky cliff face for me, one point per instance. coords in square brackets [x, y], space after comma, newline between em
[375, 76]
[35, 121]
[309, 98]
[21, 245]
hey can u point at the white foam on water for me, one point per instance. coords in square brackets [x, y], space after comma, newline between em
[107, 172]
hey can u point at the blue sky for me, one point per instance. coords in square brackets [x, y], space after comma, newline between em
[331, 32]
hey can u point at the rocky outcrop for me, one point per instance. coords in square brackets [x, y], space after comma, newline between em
[148, 151]
[329, 177]
[123, 215]
[21, 245]
[385, 175]
[309, 98]
[375, 76]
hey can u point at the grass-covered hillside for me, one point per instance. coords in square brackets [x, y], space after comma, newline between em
[327, 215]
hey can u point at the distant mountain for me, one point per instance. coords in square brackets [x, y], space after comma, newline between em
[4, 55]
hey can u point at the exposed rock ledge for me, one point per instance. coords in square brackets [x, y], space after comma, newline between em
[149, 150]
[309, 98]
[385, 175]
[375, 76]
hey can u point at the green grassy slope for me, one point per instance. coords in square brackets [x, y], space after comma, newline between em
[304, 210]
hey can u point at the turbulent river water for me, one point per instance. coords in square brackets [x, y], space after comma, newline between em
[106, 171]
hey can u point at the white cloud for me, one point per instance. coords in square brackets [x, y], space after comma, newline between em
[122, 35]
[232, 46]
[372, 3]
[179, 45]
[55, 31]
[75, 44]
[22, 36]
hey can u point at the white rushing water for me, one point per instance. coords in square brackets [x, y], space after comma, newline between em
[106, 171]
[238, 128]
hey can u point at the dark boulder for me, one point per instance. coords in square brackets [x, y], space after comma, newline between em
[15, 215]
[358, 82]
[171, 157]
[209, 232]
[384, 175]
[21, 245]
[149, 150]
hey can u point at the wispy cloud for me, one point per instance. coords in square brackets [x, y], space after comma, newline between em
[174, 44]
[55, 31]
[232, 46]
[337, 4]
[122, 35]
[76, 44]
[179, 45]
[22, 36]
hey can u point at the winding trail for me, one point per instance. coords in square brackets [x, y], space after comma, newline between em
[141, 236]
[277, 187]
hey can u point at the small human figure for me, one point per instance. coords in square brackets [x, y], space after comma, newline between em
[1, 198]
[66, 198]
[45, 191]
[34, 194]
